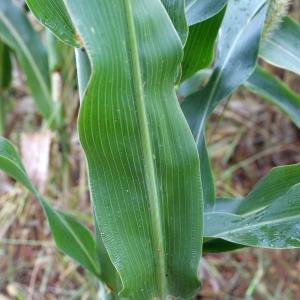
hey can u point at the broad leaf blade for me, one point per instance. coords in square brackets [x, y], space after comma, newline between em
[275, 91]
[144, 178]
[18, 34]
[200, 10]
[281, 48]
[237, 54]
[70, 236]
[199, 49]
[53, 15]
[109, 274]
[276, 226]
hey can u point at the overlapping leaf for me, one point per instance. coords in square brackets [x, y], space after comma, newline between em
[199, 49]
[200, 10]
[237, 54]
[70, 236]
[276, 226]
[143, 166]
[176, 11]
[53, 15]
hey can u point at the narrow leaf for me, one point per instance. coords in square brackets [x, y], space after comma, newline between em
[18, 34]
[71, 237]
[53, 15]
[143, 165]
[276, 92]
[282, 47]
[5, 67]
[237, 54]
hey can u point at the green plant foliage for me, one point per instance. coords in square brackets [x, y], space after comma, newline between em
[5, 79]
[276, 226]
[53, 15]
[18, 34]
[176, 11]
[276, 92]
[275, 185]
[127, 123]
[199, 49]
[70, 237]
[200, 10]
[281, 48]
[5, 67]
[239, 42]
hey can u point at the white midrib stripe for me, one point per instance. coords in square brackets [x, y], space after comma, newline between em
[27, 54]
[248, 227]
[283, 49]
[188, 7]
[149, 167]
[203, 120]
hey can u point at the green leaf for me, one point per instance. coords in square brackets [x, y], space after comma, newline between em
[18, 34]
[276, 92]
[193, 84]
[109, 274]
[237, 53]
[276, 226]
[275, 185]
[5, 79]
[5, 67]
[281, 47]
[219, 245]
[200, 10]
[228, 205]
[176, 11]
[71, 237]
[143, 165]
[53, 15]
[199, 49]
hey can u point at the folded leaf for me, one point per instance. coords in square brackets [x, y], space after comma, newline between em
[276, 92]
[276, 226]
[71, 237]
[237, 54]
[200, 10]
[281, 48]
[53, 15]
[143, 165]
[19, 35]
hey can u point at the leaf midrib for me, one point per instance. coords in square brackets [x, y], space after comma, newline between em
[149, 166]
[244, 228]
[283, 49]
